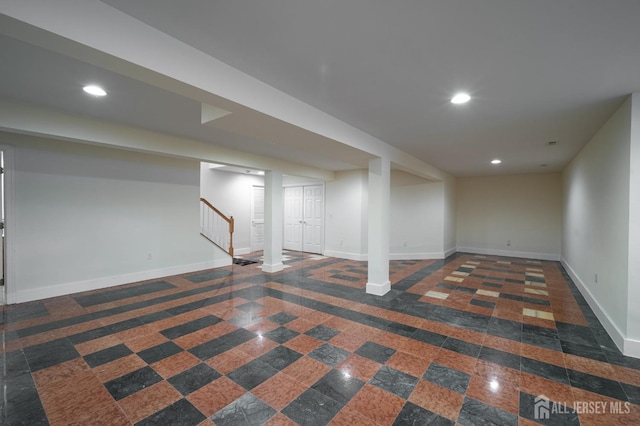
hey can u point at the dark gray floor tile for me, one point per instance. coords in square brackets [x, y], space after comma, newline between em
[584, 351]
[504, 328]
[107, 355]
[338, 386]
[425, 336]
[541, 410]
[460, 346]
[375, 352]
[394, 381]
[322, 332]
[475, 413]
[312, 408]
[482, 303]
[222, 344]
[121, 293]
[576, 334]
[180, 412]
[552, 343]
[50, 353]
[414, 415]
[246, 410]
[282, 318]
[281, 334]
[280, 357]
[329, 354]
[20, 404]
[194, 378]
[542, 369]
[248, 307]
[162, 351]
[252, 374]
[447, 377]
[597, 384]
[496, 356]
[190, 327]
[133, 382]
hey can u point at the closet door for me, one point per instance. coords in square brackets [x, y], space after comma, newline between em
[313, 219]
[293, 218]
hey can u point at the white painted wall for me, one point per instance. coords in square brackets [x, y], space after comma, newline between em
[416, 216]
[88, 217]
[596, 220]
[346, 215]
[632, 345]
[523, 209]
[450, 220]
[231, 194]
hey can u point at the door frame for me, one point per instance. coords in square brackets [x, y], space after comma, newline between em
[252, 246]
[9, 228]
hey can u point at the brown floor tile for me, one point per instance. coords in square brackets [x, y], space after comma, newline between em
[279, 390]
[119, 367]
[69, 400]
[141, 343]
[97, 344]
[359, 367]
[175, 364]
[303, 343]
[410, 364]
[456, 361]
[307, 370]
[420, 349]
[554, 391]
[437, 399]
[377, 404]
[49, 376]
[111, 415]
[541, 354]
[349, 341]
[257, 346]
[590, 366]
[280, 419]
[149, 400]
[496, 385]
[349, 416]
[229, 361]
[216, 395]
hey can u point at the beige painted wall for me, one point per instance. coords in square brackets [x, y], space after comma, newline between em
[519, 215]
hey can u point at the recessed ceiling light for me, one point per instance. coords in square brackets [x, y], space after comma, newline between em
[94, 90]
[496, 161]
[543, 165]
[460, 98]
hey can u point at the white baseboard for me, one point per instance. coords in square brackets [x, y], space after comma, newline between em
[346, 255]
[98, 283]
[509, 253]
[270, 268]
[378, 289]
[416, 256]
[607, 323]
[449, 252]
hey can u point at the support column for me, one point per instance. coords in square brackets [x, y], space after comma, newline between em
[379, 194]
[273, 221]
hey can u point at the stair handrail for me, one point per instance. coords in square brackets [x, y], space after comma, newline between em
[213, 238]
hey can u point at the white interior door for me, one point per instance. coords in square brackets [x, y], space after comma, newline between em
[293, 218]
[313, 218]
[257, 218]
[303, 218]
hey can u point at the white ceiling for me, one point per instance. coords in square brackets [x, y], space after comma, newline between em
[538, 71]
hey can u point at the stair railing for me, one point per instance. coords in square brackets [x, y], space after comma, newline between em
[216, 227]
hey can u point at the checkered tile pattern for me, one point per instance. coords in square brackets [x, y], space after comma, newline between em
[470, 340]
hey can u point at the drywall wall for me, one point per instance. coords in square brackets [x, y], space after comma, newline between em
[231, 194]
[450, 222]
[416, 217]
[596, 221]
[87, 217]
[518, 215]
[346, 215]
[632, 345]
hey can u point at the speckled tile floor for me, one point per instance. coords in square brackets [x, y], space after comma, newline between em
[469, 340]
